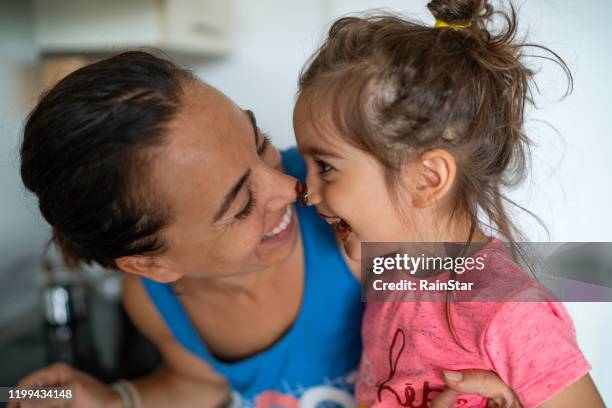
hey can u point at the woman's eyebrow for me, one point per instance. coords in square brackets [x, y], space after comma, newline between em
[256, 134]
[231, 196]
[233, 193]
[253, 120]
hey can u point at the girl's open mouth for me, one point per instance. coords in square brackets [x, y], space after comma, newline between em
[342, 228]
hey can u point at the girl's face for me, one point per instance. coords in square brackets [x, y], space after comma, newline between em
[347, 185]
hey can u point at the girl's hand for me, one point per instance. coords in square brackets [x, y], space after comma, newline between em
[484, 383]
[86, 390]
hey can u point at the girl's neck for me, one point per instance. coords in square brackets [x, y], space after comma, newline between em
[456, 230]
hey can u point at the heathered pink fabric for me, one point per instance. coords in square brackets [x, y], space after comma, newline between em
[530, 345]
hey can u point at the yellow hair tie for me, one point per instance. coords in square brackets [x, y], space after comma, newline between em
[453, 26]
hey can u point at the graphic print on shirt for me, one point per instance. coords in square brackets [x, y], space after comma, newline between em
[336, 392]
[410, 396]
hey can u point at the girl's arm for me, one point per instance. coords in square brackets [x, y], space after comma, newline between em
[582, 393]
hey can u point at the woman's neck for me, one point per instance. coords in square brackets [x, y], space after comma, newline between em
[250, 282]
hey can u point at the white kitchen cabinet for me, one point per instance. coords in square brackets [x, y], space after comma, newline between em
[192, 27]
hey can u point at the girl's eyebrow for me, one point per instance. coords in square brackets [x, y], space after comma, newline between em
[317, 151]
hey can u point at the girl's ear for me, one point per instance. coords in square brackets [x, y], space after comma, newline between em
[147, 266]
[436, 170]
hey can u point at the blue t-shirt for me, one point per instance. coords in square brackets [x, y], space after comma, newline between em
[315, 362]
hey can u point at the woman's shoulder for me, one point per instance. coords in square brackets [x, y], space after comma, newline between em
[142, 311]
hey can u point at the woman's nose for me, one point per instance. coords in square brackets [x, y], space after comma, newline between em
[281, 190]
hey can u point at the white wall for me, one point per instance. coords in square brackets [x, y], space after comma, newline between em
[22, 231]
[569, 189]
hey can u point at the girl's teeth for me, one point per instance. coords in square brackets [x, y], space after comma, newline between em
[283, 224]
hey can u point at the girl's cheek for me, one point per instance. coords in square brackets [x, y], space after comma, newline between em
[340, 200]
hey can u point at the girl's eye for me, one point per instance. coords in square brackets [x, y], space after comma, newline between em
[324, 167]
[248, 208]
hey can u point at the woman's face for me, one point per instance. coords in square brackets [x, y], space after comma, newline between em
[232, 204]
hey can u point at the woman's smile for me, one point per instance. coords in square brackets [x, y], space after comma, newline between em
[282, 227]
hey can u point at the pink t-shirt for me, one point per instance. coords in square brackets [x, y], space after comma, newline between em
[530, 345]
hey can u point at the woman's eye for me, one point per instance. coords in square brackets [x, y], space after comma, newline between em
[264, 145]
[248, 208]
[268, 154]
[324, 167]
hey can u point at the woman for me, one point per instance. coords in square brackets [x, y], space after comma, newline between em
[139, 166]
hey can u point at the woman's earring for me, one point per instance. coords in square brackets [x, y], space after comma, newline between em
[302, 193]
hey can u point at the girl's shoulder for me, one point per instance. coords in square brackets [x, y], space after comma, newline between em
[503, 293]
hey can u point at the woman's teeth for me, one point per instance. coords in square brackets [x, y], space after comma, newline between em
[284, 223]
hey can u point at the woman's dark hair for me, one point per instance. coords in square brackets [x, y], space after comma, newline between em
[396, 88]
[86, 151]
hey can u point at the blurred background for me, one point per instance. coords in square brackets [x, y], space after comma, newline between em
[253, 51]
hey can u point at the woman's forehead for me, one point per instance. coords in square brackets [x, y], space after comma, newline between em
[210, 146]
[209, 124]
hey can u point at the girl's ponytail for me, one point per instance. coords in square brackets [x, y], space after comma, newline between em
[470, 13]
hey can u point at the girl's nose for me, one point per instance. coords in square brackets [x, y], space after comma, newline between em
[305, 196]
[310, 187]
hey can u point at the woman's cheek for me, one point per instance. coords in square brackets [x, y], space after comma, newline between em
[257, 227]
[248, 234]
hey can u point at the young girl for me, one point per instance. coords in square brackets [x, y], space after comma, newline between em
[409, 132]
